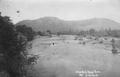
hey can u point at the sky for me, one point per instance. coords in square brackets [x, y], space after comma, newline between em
[64, 9]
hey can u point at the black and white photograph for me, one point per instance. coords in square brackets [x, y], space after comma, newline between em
[59, 38]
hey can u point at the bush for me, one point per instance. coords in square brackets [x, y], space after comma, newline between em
[26, 31]
[12, 48]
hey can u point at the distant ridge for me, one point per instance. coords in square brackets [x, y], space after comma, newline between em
[57, 25]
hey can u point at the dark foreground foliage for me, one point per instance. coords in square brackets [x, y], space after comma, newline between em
[28, 32]
[12, 49]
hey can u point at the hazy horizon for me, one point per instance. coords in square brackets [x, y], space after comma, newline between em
[63, 9]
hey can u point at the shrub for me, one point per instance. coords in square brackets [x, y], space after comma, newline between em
[12, 47]
[28, 32]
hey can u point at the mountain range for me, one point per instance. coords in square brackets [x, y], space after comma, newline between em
[55, 24]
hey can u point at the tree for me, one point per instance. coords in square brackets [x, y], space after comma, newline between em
[58, 33]
[49, 32]
[40, 33]
[82, 33]
[115, 33]
[114, 50]
[92, 32]
[12, 48]
[26, 31]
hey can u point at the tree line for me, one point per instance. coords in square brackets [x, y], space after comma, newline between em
[100, 33]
